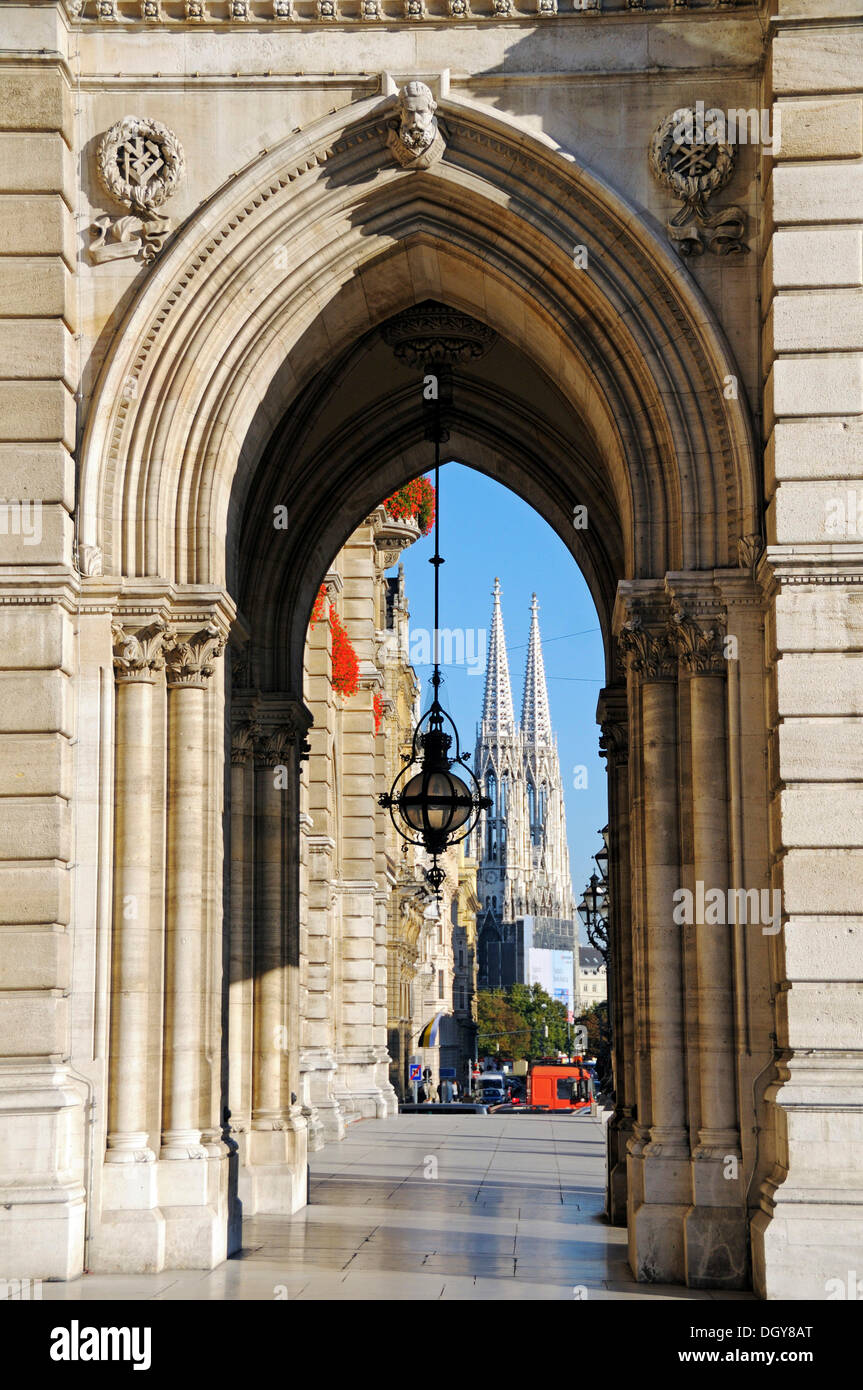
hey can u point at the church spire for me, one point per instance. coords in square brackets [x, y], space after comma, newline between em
[535, 716]
[498, 716]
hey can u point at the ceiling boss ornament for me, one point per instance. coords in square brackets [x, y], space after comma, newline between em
[692, 158]
[140, 164]
[415, 140]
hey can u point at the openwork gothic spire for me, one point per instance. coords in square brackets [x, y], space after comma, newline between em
[498, 715]
[535, 715]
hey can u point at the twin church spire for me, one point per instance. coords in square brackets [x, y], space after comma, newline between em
[521, 839]
[498, 715]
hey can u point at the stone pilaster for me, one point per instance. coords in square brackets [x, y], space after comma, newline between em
[245, 729]
[810, 1226]
[318, 1036]
[274, 1178]
[716, 1228]
[612, 715]
[42, 1103]
[658, 1177]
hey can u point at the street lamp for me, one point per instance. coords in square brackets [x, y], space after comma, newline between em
[435, 808]
[601, 857]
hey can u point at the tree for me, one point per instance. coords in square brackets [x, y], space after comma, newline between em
[596, 1020]
[539, 1011]
[501, 1028]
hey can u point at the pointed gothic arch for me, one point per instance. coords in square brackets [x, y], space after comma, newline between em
[221, 397]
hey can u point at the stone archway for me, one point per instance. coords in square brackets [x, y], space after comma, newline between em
[246, 376]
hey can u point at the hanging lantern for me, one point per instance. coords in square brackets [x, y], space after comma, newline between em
[435, 807]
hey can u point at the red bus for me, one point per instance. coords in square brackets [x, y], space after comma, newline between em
[560, 1087]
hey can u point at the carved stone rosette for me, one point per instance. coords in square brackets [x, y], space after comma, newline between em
[140, 164]
[689, 159]
[414, 139]
[139, 653]
[191, 660]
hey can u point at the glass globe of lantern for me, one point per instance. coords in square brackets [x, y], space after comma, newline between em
[437, 801]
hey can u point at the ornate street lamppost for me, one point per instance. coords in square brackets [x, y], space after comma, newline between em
[437, 806]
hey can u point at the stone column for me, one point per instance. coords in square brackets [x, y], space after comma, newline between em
[614, 747]
[189, 666]
[659, 1199]
[137, 660]
[240, 956]
[716, 1228]
[274, 1179]
[131, 1229]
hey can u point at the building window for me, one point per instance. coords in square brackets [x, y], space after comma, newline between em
[440, 984]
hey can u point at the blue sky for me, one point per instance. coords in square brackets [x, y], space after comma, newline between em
[486, 530]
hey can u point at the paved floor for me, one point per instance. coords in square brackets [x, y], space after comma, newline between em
[421, 1207]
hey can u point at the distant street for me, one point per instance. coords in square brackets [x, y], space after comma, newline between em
[424, 1208]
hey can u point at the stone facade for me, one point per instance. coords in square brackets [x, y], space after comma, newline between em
[190, 342]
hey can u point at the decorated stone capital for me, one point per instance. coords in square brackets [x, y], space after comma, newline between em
[650, 654]
[414, 139]
[139, 652]
[89, 560]
[614, 740]
[690, 156]
[699, 646]
[140, 163]
[191, 660]
[243, 739]
[274, 746]
[749, 551]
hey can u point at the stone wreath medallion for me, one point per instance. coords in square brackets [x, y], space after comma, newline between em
[693, 165]
[140, 164]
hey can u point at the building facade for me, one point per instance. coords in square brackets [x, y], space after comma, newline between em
[592, 982]
[208, 212]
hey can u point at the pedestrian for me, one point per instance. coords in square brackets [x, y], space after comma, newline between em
[421, 1094]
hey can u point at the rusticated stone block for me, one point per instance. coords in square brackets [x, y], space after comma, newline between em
[34, 98]
[40, 225]
[34, 894]
[820, 129]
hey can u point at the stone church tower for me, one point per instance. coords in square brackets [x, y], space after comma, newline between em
[521, 842]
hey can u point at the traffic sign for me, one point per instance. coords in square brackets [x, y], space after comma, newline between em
[579, 1039]
[414, 1071]
[447, 1073]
